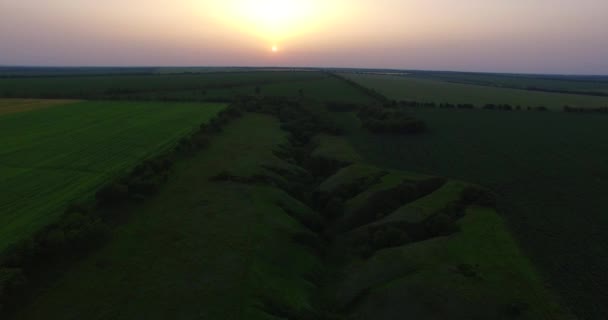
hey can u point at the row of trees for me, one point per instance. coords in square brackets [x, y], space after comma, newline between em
[393, 121]
[488, 106]
[602, 110]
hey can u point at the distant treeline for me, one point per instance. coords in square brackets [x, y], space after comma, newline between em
[84, 227]
[388, 120]
[603, 110]
[503, 107]
[368, 91]
[585, 93]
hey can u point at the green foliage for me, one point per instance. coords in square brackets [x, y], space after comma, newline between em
[384, 120]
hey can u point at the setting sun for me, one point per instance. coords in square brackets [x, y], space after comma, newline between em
[275, 49]
[274, 21]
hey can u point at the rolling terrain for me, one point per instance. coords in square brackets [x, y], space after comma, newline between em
[286, 204]
[231, 237]
[547, 168]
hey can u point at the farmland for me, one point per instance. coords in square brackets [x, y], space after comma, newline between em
[205, 243]
[549, 170]
[212, 86]
[21, 105]
[60, 154]
[590, 85]
[431, 90]
[287, 204]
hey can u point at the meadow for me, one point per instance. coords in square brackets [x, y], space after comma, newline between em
[549, 170]
[56, 155]
[413, 88]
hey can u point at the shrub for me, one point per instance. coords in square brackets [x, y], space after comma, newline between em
[112, 194]
[441, 225]
[334, 208]
[386, 237]
[479, 196]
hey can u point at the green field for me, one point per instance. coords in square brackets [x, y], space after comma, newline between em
[412, 88]
[582, 84]
[56, 155]
[550, 170]
[216, 86]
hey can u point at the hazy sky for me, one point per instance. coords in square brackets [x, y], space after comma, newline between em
[535, 36]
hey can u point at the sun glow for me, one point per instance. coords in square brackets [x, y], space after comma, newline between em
[275, 21]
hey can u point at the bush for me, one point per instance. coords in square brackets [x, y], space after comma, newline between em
[387, 237]
[334, 208]
[114, 193]
[380, 120]
[441, 224]
[479, 196]
[12, 282]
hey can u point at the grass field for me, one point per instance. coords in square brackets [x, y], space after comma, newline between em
[56, 155]
[21, 105]
[550, 170]
[425, 90]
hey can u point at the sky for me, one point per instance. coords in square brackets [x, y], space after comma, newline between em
[518, 36]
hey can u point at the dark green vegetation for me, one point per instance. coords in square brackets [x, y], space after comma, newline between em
[263, 224]
[586, 85]
[414, 88]
[53, 156]
[218, 86]
[549, 170]
[298, 202]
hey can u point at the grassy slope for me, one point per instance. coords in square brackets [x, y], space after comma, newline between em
[53, 156]
[550, 171]
[21, 105]
[201, 249]
[421, 279]
[411, 88]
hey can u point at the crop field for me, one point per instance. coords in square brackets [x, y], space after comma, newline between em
[425, 90]
[582, 84]
[21, 105]
[56, 155]
[214, 86]
[551, 173]
[319, 89]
